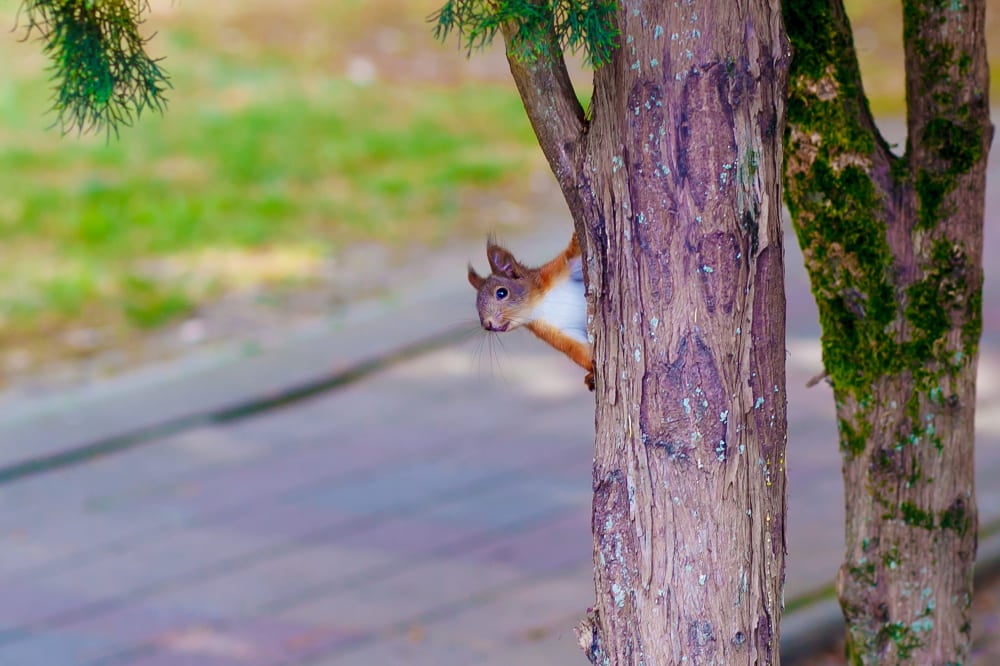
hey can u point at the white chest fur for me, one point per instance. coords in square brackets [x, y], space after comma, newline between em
[565, 307]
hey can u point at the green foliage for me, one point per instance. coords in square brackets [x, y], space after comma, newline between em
[955, 517]
[541, 25]
[104, 77]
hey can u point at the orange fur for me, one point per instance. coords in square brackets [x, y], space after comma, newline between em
[579, 352]
[557, 269]
[548, 274]
[538, 282]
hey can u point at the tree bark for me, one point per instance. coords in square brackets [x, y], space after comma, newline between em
[893, 247]
[674, 187]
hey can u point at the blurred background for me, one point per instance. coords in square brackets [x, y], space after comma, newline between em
[430, 507]
[308, 148]
[306, 143]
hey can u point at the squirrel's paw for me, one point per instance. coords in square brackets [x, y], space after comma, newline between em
[589, 380]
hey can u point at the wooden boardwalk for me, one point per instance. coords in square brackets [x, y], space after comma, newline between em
[434, 513]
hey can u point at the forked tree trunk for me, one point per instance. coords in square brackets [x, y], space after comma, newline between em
[893, 247]
[674, 185]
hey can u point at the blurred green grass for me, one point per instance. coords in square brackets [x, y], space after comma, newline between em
[270, 159]
[265, 164]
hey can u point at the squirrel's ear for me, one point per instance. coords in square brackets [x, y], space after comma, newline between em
[474, 279]
[503, 262]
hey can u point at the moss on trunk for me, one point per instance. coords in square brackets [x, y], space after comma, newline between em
[896, 269]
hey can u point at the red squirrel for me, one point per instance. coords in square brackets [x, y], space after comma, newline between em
[549, 301]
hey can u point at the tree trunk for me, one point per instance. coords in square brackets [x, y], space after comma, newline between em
[893, 248]
[674, 186]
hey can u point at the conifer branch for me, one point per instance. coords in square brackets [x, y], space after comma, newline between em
[103, 76]
[536, 33]
[538, 25]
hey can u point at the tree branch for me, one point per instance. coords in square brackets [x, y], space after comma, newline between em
[552, 107]
[841, 188]
[104, 77]
[826, 94]
[947, 90]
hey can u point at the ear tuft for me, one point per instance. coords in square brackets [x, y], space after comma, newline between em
[503, 262]
[474, 279]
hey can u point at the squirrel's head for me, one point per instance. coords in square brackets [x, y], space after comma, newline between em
[502, 295]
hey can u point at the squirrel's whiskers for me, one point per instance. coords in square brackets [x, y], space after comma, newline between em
[550, 300]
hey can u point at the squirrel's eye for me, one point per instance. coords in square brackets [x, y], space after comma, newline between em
[502, 293]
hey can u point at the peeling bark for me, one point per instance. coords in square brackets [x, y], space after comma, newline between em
[674, 188]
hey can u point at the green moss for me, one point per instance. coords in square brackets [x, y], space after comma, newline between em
[851, 440]
[809, 28]
[837, 210]
[882, 316]
[955, 518]
[959, 145]
[933, 302]
[836, 206]
[928, 316]
[864, 574]
[819, 46]
[964, 63]
[883, 465]
[934, 57]
[972, 327]
[915, 516]
[957, 149]
[901, 636]
[955, 143]
[931, 190]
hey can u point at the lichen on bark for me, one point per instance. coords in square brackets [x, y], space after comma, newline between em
[673, 182]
